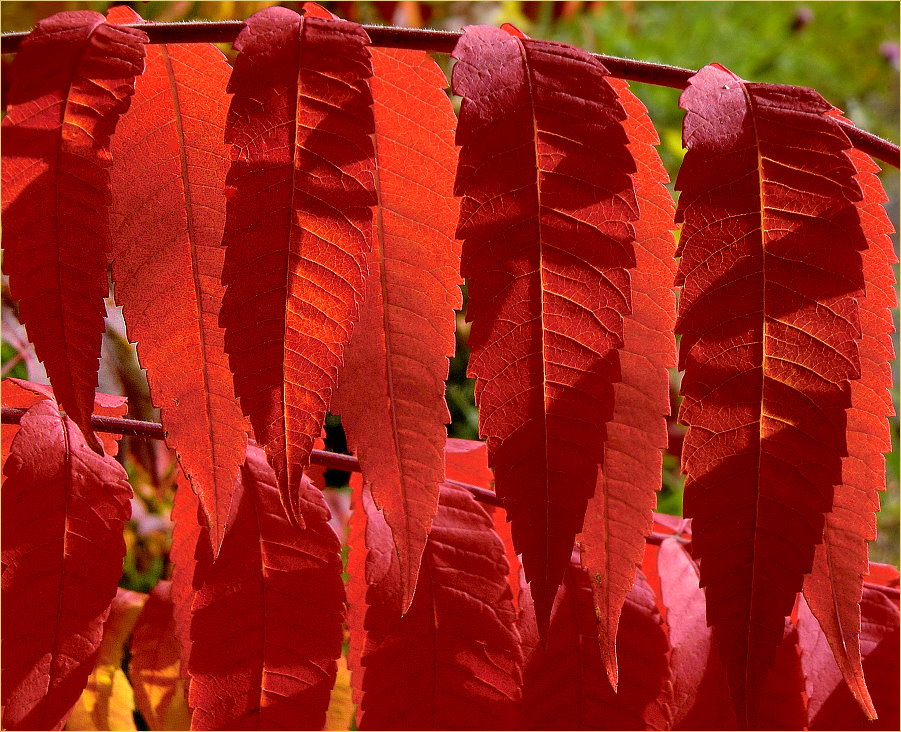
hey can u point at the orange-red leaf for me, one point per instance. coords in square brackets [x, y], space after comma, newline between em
[453, 661]
[64, 509]
[266, 627]
[770, 270]
[834, 588]
[391, 388]
[169, 283]
[22, 394]
[565, 682]
[544, 175]
[619, 515]
[831, 704]
[154, 661]
[72, 78]
[298, 225]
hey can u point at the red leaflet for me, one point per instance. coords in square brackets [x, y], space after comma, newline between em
[267, 624]
[153, 665]
[22, 394]
[565, 684]
[168, 283]
[833, 589]
[298, 224]
[831, 703]
[391, 393]
[465, 672]
[619, 515]
[770, 271]
[64, 509]
[191, 556]
[72, 78]
[544, 175]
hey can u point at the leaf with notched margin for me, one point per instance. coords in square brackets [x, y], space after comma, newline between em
[544, 175]
[770, 271]
[108, 700]
[153, 664]
[22, 394]
[565, 682]
[298, 224]
[72, 78]
[619, 515]
[63, 513]
[391, 388]
[831, 704]
[168, 284]
[266, 626]
[834, 588]
[453, 661]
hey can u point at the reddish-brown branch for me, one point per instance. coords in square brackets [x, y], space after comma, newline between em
[333, 460]
[424, 39]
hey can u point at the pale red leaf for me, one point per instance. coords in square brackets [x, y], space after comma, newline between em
[391, 388]
[154, 664]
[453, 661]
[64, 510]
[107, 701]
[831, 704]
[22, 394]
[883, 574]
[298, 225]
[770, 270]
[544, 175]
[72, 78]
[619, 515]
[565, 682]
[168, 284]
[834, 588]
[266, 626]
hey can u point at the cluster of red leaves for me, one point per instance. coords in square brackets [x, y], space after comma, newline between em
[283, 243]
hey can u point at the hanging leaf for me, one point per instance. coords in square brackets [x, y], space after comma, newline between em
[23, 394]
[73, 77]
[153, 665]
[619, 515]
[298, 221]
[267, 623]
[572, 652]
[391, 390]
[547, 243]
[771, 239]
[465, 673]
[108, 700]
[832, 705]
[64, 510]
[169, 284]
[834, 588]
[340, 711]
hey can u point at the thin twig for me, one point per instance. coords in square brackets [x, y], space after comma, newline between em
[424, 39]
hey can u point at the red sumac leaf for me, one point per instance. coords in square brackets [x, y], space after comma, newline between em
[298, 224]
[391, 388]
[565, 682]
[770, 270]
[544, 175]
[834, 588]
[63, 513]
[832, 706]
[619, 515]
[72, 78]
[169, 283]
[266, 625]
[453, 661]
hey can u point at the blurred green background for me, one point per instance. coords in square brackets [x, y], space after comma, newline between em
[848, 51]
